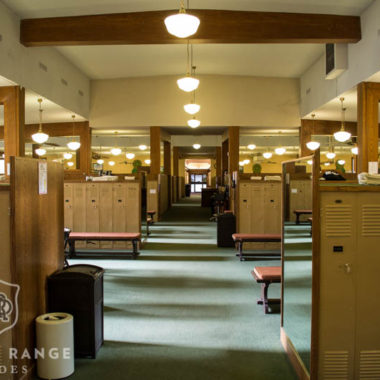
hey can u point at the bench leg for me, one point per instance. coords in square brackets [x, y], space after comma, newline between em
[135, 249]
[240, 245]
[72, 252]
[147, 229]
[264, 300]
[297, 218]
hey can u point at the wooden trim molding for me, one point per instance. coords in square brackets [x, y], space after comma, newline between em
[217, 26]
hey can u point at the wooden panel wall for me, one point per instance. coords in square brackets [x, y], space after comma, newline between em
[37, 242]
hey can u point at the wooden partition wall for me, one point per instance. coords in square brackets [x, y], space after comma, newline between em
[32, 245]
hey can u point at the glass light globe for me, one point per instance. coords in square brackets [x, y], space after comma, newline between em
[310, 162]
[40, 151]
[330, 155]
[116, 151]
[342, 136]
[192, 108]
[246, 162]
[196, 146]
[280, 151]
[100, 161]
[147, 162]
[67, 156]
[241, 163]
[70, 163]
[193, 123]
[327, 163]
[142, 147]
[188, 83]
[251, 146]
[313, 145]
[130, 156]
[73, 145]
[182, 25]
[355, 150]
[341, 162]
[267, 155]
[111, 163]
[40, 137]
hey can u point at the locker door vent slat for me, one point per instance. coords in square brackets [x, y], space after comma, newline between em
[335, 365]
[370, 365]
[338, 220]
[371, 220]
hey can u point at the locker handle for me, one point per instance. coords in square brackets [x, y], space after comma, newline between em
[272, 200]
[119, 200]
[244, 200]
[93, 201]
[66, 200]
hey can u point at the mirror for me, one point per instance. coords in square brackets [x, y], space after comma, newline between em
[297, 256]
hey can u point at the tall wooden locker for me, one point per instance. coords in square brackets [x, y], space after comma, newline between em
[272, 211]
[152, 197]
[119, 214]
[92, 212]
[79, 213]
[68, 205]
[105, 216]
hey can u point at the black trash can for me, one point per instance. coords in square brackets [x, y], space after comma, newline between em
[78, 290]
[226, 227]
[187, 190]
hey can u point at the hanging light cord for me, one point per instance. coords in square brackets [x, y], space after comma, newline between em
[40, 114]
[73, 116]
[343, 114]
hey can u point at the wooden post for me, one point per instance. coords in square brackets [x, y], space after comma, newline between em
[175, 161]
[233, 149]
[13, 99]
[219, 161]
[224, 158]
[155, 150]
[85, 153]
[305, 134]
[167, 159]
[368, 123]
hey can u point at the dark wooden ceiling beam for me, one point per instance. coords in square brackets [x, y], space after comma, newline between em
[217, 26]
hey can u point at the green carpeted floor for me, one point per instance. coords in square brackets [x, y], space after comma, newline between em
[185, 310]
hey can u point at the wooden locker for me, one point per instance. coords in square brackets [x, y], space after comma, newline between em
[257, 213]
[133, 215]
[68, 205]
[79, 210]
[92, 212]
[244, 208]
[272, 213]
[152, 197]
[119, 212]
[105, 212]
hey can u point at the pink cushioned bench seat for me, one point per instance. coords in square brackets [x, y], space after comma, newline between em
[298, 213]
[266, 276]
[133, 237]
[241, 238]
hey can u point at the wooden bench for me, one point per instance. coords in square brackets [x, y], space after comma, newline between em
[301, 212]
[240, 239]
[266, 276]
[149, 222]
[133, 237]
[151, 215]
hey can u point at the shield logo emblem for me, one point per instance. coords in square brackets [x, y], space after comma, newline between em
[8, 305]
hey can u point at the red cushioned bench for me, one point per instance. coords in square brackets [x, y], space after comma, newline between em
[301, 212]
[133, 237]
[266, 276]
[240, 239]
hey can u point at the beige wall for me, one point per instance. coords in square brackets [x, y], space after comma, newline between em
[225, 100]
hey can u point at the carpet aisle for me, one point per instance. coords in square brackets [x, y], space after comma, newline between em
[185, 310]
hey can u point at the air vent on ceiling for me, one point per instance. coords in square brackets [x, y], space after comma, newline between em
[80, 92]
[64, 82]
[338, 220]
[370, 365]
[371, 220]
[336, 60]
[42, 66]
[335, 365]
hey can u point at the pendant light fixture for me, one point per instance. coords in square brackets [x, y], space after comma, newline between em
[330, 154]
[111, 163]
[70, 163]
[313, 145]
[67, 156]
[196, 146]
[193, 123]
[241, 163]
[147, 162]
[310, 162]
[355, 150]
[267, 155]
[341, 162]
[246, 161]
[251, 146]
[192, 108]
[342, 135]
[143, 147]
[116, 151]
[100, 161]
[182, 24]
[73, 145]
[40, 137]
[130, 156]
[189, 83]
[40, 151]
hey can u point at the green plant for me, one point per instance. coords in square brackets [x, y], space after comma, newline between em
[136, 164]
[256, 168]
[340, 167]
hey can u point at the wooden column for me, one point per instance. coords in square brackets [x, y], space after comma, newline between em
[368, 124]
[85, 153]
[13, 99]
[233, 149]
[219, 161]
[167, 158]
[155, 150]
[224, 158]
[175, 161]
[305, 134]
